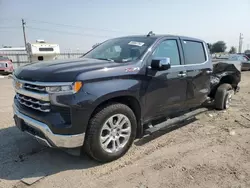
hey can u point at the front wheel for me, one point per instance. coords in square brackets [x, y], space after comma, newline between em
[111, 132]
[223, 96]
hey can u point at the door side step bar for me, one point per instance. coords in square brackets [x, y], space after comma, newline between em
[173, 121]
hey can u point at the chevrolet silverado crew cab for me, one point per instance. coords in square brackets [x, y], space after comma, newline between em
[116, 92]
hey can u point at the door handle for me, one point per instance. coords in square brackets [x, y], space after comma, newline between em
[182, 74]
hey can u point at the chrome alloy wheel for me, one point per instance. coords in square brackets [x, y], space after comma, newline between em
[115, 133]
[229, 99]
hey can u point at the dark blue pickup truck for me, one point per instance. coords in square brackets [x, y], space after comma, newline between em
[117, 91]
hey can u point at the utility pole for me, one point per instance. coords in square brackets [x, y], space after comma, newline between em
[25, 41]
[24, 34]
[240, 42]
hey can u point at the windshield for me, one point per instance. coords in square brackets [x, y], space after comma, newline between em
[121, 49]
[246, 57]
[3, 58]
[238, 58]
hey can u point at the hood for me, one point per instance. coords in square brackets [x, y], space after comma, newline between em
[61, 70]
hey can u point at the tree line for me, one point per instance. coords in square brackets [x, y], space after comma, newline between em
[220, 46]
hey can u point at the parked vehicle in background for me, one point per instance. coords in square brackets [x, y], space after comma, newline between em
[42, 51]
[247, 53]
[118, 91]
[6, 65]
[245, 61]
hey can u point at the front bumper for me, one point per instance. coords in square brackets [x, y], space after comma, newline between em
[43, 133]
[5, 71]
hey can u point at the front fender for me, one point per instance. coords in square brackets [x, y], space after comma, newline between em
[92, 94]
[108, 89]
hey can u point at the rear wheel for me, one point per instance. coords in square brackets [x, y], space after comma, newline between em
[223, 96]
[111, 132]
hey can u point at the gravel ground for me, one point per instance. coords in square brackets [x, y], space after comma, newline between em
[213, 151]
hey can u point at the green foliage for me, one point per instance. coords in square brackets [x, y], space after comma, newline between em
[232, 50]
[247, 52]
[218, 47]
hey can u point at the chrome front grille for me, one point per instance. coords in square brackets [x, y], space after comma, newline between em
[3, 65]
[34, 95]
[36, 88]
[33, 103]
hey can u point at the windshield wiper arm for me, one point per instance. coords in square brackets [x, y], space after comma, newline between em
[107, 59]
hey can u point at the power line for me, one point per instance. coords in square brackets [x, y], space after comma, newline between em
[6, 31]
[65, 32]
[68, 25]
[74, 26]
[11, 27]
[9, 19]
[88, 28]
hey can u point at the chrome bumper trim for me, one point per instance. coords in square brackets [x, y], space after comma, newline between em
[52, 140]
[40, 140]
[24, 101]
[39, 96]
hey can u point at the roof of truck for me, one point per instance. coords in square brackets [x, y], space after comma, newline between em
[165, 35]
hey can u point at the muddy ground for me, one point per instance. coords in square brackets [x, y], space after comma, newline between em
[213, 151]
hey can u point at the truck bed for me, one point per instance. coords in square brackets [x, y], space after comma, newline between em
[226, 71]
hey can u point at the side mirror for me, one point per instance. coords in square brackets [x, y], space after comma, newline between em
[160, 63]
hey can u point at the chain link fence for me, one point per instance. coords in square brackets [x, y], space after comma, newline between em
[21, 58]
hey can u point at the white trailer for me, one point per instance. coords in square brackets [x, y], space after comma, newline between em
[42, 51]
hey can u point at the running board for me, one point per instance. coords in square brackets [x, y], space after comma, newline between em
[175, 120]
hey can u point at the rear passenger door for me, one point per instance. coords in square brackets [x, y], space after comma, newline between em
[198, 69]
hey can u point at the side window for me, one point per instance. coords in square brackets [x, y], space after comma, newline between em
[245, 59]
[242, 58]
[194, 52]
[233, 58]
[168, 48]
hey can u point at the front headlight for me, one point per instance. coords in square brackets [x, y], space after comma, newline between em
[16, 84]
[73, 88]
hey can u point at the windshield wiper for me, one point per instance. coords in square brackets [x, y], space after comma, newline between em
[126, 60]
[107, 59]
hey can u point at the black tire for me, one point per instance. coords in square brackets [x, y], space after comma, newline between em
[92, 145]
[221, 96]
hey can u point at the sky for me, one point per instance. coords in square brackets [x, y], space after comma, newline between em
[76, 25]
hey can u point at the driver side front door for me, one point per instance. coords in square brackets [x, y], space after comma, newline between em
[166, 90]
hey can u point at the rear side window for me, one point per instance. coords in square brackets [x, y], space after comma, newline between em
[194, 52]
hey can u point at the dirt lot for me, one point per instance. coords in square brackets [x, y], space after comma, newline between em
[213, 151]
